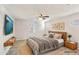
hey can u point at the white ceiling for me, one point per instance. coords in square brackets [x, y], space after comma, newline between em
[29, 10]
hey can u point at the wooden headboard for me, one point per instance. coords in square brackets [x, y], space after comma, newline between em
[63, 33]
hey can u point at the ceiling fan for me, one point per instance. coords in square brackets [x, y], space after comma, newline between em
[43, 17]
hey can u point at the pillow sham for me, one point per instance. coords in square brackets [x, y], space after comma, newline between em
[58, 36]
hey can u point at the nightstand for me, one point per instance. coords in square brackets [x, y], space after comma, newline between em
[71, 45]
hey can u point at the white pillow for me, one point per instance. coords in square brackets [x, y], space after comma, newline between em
[57, 36]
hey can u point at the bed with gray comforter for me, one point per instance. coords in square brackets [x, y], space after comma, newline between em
[42, 45]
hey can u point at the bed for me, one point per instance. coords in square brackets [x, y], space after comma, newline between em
[52, 41]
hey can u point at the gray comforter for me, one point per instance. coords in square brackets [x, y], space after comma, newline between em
[40, 46]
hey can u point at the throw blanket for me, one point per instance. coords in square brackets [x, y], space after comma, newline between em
[42, 45]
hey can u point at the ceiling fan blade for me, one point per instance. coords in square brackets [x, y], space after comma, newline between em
[46, 16]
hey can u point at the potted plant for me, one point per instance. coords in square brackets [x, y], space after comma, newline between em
[69, 36]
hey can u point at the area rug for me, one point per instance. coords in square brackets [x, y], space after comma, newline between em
[19, 48]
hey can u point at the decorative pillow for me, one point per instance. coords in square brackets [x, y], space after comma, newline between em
[57, 36]
[51, 35]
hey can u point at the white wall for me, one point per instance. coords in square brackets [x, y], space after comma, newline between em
[3, 38]
[23, 28]
[28, 27]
